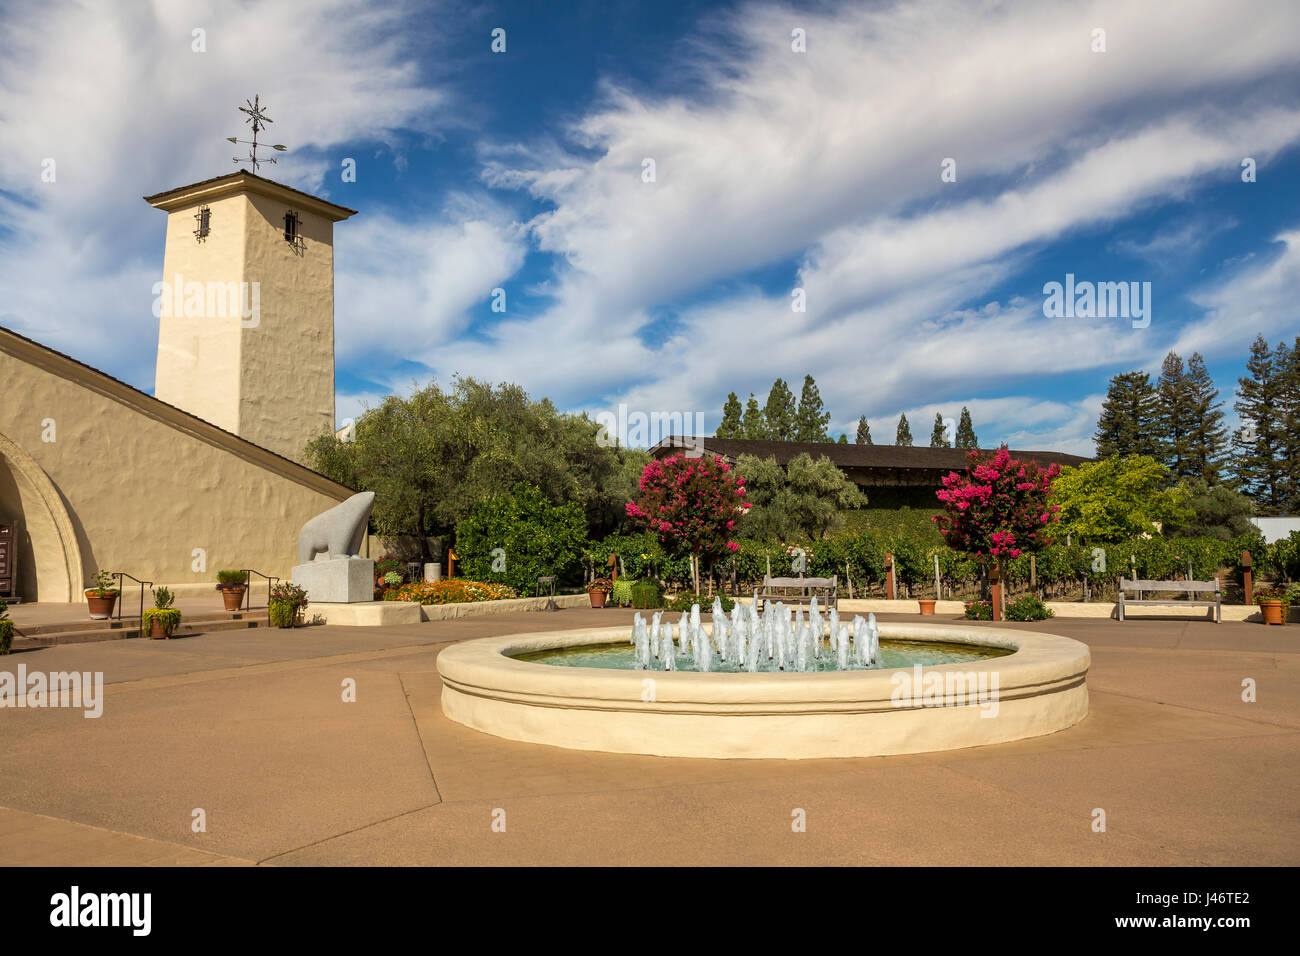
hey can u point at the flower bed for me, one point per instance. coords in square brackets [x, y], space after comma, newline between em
[449, 591]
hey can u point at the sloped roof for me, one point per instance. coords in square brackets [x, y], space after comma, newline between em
[852, 456]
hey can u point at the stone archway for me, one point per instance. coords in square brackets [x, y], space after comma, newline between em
[51, 563]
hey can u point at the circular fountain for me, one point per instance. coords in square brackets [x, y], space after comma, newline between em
[770, 685]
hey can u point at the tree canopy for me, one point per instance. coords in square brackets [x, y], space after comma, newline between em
[1117, 498]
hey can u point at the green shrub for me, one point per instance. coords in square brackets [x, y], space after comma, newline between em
[1028, 608]
[168, 618]
[683, 602]
[517, 538]
[105, 585]
[621, 594]
[979, 611]
[287, 603]
[163, 598]
[646, 594]
[231, 578]
[6, 628]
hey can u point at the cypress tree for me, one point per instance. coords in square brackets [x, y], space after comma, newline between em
[780, 413]
[939, 435]
[842, 440]
[1127, 417]
[966, 431]
[1207, 436]
[731, 425]
[753, 425]
[1287, 363]
[812, 418]
[904, 433]
[864, 432]
[1258, 465]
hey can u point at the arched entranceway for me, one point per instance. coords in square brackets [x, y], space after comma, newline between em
[48, 556]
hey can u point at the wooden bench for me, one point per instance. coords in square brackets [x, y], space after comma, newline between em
[798, 591]
[1190, 588]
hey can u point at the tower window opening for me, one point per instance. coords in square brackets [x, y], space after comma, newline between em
[204, 219]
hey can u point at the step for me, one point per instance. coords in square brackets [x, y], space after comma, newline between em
[129, 621]
[130, 631]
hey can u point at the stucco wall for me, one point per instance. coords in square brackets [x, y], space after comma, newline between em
[146, 485]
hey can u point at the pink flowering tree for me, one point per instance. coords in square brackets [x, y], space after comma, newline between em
[998, 508]
[692, 505]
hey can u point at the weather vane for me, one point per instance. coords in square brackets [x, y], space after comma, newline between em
[258, 118]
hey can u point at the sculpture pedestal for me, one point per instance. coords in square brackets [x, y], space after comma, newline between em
[337, 581]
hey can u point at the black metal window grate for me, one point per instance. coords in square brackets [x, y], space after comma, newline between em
[292, 229]
[204, 220]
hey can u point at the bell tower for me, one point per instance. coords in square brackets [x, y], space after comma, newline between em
[246, 308]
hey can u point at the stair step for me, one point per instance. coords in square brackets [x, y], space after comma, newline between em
[129, 623]
[92, 635]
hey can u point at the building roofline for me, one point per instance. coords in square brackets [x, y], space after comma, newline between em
[242, 180]
[835, 451]
[65, 366]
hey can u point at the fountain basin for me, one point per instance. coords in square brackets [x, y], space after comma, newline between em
[1038, 689]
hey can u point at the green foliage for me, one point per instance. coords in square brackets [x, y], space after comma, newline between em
[1215, 511]
[230, 577]
[805, 499]
[1028, 608]
[432, 457]
[812, 418]
[1264, 394]
[393, 579]
[1117, 497]
[6, 628]
[163, 598]
[287, 603]
[979, 611]
[1284, 557]
[939, 434]
[966, 431]
[754, 425]
[646, 594]
[622, 592]
[903, 435]
[387, 566]
[603, 585]
[731, 425]
[168, 619]
[779, 412]
[536, 539]
[103, 585]
[864, 432]
[682, 602]
[1126, 426]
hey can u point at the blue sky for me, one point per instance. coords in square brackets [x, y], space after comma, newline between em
[775, 170]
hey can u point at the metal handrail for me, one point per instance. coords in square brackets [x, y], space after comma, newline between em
[120, 596]
[248, 594]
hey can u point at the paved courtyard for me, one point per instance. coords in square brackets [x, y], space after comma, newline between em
[250, 727]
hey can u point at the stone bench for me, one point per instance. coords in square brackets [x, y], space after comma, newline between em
[1190, 588]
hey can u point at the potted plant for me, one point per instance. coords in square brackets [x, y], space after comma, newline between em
[232, 584]
[287, 604]
[1273, 605]
[161, 619]
[101, 596]
[598, 590]
[927, 605]
[6, 628]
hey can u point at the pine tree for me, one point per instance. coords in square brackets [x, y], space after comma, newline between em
[904, 434]
[1258, 445]
[966, 431]
[812, 418]
[1174, 418]
[753, 425]
[864, 432]
[939, 436]
[1208, 436]
[780, 413]
[1287, 362]
[842, 440]
[731, 425]
[1127, 417]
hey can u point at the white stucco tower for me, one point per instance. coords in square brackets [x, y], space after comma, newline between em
[246, 323]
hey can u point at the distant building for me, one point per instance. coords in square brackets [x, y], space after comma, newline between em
[1275, 529]
[891, 475]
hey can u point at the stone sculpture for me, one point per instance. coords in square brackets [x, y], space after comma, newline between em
[338, 532]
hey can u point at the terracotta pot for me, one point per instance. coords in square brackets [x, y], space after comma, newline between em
[927, 607]
[156, 631]
[1273, 612]
[233, 596]
[597, 598]
[101, 608]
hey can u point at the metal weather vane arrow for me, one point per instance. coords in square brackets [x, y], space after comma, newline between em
[259, 119]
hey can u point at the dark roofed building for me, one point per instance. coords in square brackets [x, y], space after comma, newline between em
[914, 472]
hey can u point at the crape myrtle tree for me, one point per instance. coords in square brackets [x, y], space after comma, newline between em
[998, 509]
[692, 505]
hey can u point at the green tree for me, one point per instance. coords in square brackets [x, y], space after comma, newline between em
[1207, 435]
[1259, 444]
[1215, 511]
[842, 440]
[1127, 419]
[1118, 497]
[904, 434]
[754, 427]
[731, 425]
[939, 434]
[780, 412]
[812, 418]
[1174, 418]
[864, 432]
[1287, 361]
[805, 499]
[516, 538]
[966, 431]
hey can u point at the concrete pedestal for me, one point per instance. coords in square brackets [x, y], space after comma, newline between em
[337, 581]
